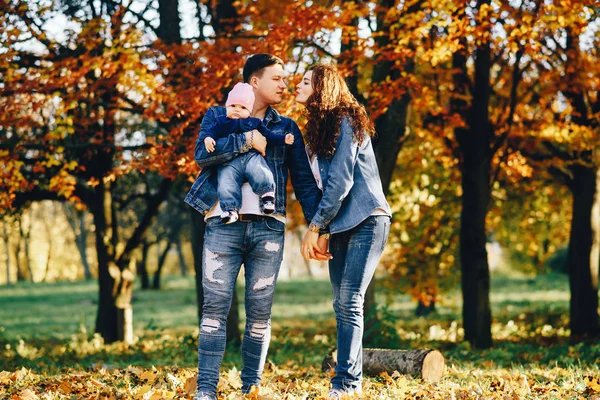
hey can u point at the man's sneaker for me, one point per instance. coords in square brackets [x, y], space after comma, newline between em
[267, 203]
[229, 217]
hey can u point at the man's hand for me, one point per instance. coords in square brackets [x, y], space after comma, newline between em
[209, 143]
[309, 244]
[258, 141]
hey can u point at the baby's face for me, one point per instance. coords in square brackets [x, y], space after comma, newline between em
[237, 111]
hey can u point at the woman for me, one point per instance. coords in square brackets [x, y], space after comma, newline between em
[353, 209]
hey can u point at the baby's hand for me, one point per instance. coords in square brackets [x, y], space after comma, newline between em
[289, 138]
[209, 143]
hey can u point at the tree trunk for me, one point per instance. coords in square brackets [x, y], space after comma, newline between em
[25, 234]
[584, 252]
[182, 264]
[82, 245]
[108, 320]
[475, 146]
[48, 255]
[161, 263]
[7, 248]
[27, 258]
[169, 29]
[198, 225]
[475, 271]
[115, 274]
[583, 258]
[426, 364]
[76, 220]
[423, 309]
[20, 274]
[142, 266]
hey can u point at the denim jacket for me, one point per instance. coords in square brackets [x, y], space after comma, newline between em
[351, 184]
[202, 196]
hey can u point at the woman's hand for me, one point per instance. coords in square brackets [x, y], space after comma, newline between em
[322, 253]
[314, 247]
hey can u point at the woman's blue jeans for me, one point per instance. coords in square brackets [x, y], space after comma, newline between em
[259, 246]
[356, 253]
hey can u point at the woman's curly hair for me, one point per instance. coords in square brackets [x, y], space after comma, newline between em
[330, 102]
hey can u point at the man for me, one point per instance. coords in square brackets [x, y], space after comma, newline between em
[255, 240]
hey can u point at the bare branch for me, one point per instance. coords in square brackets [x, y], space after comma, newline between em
[140, 16]
[151, 210]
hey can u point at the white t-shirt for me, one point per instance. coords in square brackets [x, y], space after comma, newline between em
[250, 205]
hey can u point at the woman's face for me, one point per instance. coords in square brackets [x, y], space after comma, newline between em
[304, 89]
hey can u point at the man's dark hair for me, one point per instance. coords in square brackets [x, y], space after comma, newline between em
[256, 64]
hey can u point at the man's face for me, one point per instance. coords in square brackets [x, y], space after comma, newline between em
[269, 88]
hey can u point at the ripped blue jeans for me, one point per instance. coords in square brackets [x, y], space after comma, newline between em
[259, 246]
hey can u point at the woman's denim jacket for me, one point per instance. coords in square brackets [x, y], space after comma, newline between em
[351, 184]
[280, 159]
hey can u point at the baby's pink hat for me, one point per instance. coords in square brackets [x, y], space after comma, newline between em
[243, 94]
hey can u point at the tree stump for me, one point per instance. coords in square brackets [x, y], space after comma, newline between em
[427, 364]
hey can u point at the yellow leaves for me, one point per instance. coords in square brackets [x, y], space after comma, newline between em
[93, 182]
[592, 383]
[233, 379]
[190, 385]
[290, 382]
[26, 394]
[149, 376]
[63, 183]
[51, 161]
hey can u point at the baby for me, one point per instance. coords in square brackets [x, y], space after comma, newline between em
[250, 166]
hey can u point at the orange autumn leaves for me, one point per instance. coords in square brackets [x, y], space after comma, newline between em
[298, 383]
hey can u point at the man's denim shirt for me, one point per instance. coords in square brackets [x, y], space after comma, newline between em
[351, 183]
[280, 159]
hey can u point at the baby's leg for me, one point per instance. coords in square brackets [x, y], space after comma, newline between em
[261, 181]
[229, 184]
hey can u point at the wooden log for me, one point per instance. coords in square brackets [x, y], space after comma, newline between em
[427, 364]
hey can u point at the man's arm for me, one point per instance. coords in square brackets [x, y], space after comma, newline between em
[303, 181]
[341, 176]
[269, 135]
[226, 148]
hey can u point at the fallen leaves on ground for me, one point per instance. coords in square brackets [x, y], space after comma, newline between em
[298, 384]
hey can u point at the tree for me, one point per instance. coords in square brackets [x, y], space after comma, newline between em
[66, 146]
[564, 141]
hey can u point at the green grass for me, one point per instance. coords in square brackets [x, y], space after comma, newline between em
[47, 344]
[51, 325]
[58, 310]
